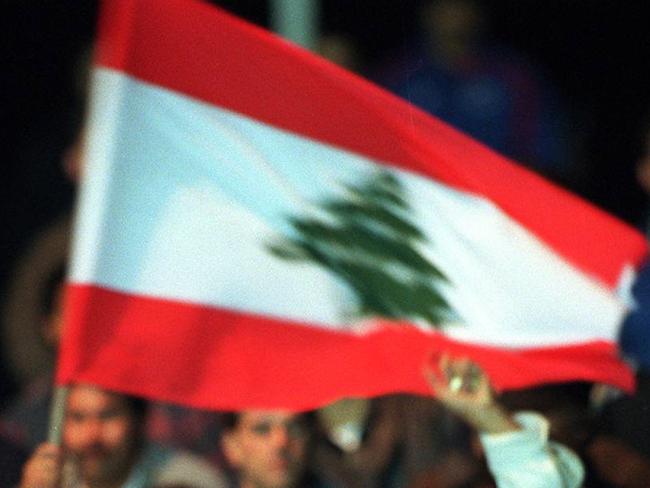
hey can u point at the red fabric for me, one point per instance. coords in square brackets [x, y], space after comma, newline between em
[202, 356]
[202, 52]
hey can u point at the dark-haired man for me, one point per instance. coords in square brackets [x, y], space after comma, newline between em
[268, 449]
[104, 446]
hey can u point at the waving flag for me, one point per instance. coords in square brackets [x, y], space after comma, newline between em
[258, 227]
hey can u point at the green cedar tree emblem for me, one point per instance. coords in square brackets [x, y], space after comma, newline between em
[367, 240]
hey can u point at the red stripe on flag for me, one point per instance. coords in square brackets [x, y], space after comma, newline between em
[199, 51]
[201, 356]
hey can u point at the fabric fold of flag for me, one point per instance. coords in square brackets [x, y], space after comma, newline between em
[258, 227]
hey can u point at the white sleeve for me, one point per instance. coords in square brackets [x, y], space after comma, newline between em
[526, 459]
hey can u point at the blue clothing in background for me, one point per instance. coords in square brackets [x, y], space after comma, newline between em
[493, 96]
[635, 332]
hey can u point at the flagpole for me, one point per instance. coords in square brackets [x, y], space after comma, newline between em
[297, 21]
[57, 414]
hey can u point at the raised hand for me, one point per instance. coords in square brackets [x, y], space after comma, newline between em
[462, 386]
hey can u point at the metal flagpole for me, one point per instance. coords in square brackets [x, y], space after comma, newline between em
[57, 415]
[297, 20]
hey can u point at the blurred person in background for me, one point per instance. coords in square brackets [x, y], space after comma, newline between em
[269, 449]
[485, 90]
[390, 441]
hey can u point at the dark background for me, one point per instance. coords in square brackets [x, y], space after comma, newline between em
[594, 51]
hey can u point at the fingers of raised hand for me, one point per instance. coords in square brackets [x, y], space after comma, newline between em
[462, 375]
[42, 469]
[457, 378]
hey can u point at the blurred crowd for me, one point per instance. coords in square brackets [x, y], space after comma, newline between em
[463, 435]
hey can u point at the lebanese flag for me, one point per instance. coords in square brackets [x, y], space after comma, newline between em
[260, 228]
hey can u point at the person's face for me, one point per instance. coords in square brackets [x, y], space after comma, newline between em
[100, 433]
[267, 448]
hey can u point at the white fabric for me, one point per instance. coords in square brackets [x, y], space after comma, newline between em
[526, 458]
